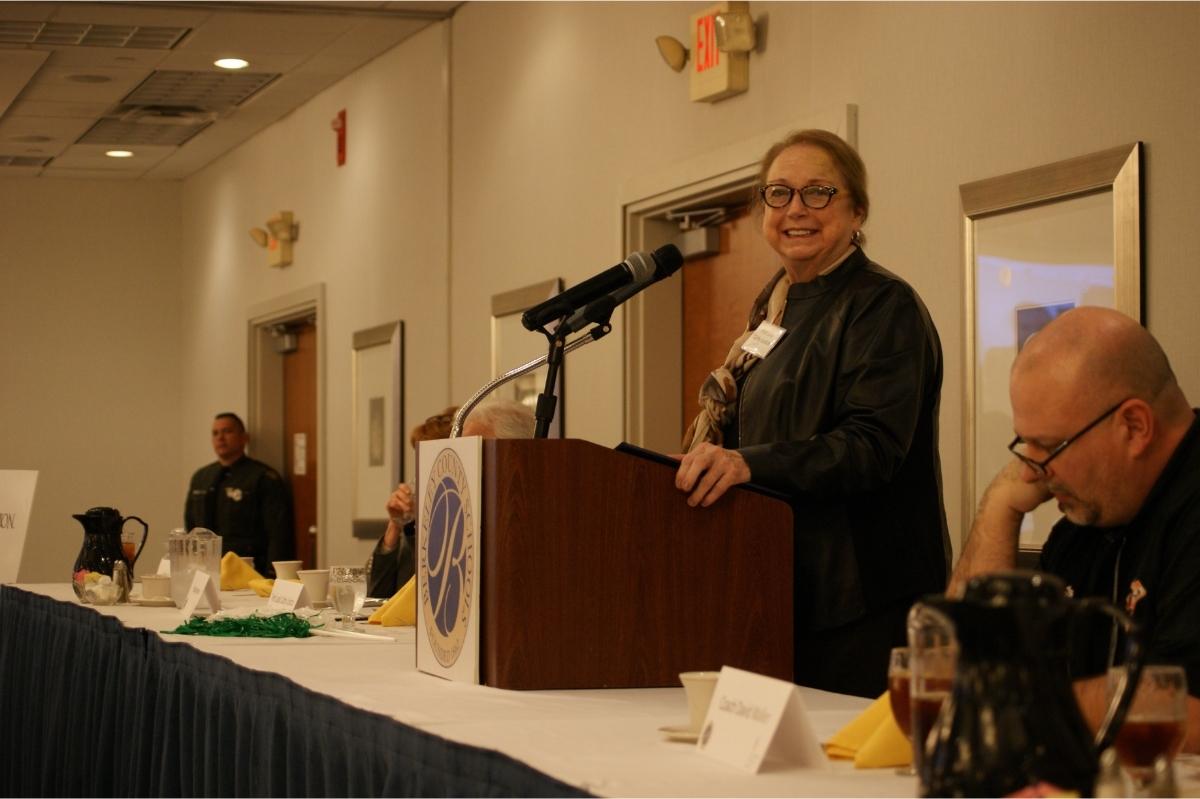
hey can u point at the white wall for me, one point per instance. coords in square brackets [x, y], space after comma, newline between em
[89, 366]
[374, 232]
[557, 105]
[553, 108]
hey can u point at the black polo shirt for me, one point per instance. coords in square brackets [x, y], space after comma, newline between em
[1150, 568]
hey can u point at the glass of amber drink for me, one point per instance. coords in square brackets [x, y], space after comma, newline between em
[932, 661]
[1156, 723]
[899, 688]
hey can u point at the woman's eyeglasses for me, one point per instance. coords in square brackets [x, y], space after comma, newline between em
[779, 195]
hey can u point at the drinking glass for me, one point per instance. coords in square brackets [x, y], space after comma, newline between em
[932, 662]
[1156, 722]
[349, 587]
[899, 688]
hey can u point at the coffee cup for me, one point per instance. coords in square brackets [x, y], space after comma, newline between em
[316, 584]
[156, 586]
[286, 569]
[699, 686]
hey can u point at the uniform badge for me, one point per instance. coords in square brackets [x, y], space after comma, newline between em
[1136, 592]
[233, 493]
[1070, 592]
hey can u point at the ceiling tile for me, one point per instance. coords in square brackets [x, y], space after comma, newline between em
[66, 84]
[21, 134]
[91, 156]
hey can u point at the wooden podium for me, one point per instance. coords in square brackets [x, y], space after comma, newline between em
[595, 573]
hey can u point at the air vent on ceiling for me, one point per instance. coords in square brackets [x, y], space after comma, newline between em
[83, 34]
[212, 91]
[23, 160]
[147, 127]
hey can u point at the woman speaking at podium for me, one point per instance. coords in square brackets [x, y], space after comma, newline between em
[831, 397]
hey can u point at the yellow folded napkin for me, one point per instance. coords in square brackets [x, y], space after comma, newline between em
[400, 610]
[235, 573]
[262, 586]
[873, 739]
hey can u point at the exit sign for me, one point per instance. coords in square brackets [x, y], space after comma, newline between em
[715, 75]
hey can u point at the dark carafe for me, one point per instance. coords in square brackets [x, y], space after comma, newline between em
[1011, 719]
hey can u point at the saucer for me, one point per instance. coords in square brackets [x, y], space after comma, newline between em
[154, 602]
[680, 733]
[321, 604]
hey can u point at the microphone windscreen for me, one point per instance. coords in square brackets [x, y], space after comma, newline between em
[668, 259]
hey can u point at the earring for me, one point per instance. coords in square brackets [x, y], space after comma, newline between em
[856, 239]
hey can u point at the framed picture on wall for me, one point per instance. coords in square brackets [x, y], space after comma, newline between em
[1036, 244]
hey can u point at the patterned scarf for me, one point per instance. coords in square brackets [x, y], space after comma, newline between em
[718, 394]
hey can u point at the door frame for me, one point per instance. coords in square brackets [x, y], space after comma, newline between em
[265, 385]
[653, 319]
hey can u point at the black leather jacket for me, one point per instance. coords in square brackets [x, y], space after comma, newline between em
[842, 416]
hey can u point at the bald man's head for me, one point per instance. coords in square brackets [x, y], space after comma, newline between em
[1096, 352]
[1097, 409]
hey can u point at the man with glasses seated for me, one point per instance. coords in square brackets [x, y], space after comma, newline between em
[1104, 429]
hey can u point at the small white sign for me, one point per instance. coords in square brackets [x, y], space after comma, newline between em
[286, 596]
[754, 718]
[16, 503]
[300, 453]
[763, 339]
[202, 588]
[449, 536]
[164, 567]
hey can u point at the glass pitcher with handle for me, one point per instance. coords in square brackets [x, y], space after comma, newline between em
[1011, 719]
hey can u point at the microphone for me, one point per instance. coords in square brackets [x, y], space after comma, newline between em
[636, 267]
[662, 263]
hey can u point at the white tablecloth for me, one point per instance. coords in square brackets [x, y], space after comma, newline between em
[603, 741]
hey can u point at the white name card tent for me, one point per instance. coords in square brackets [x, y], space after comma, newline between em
[16, 504]
[755, 719]
[286, 596]
[203, 588]
[448, 549]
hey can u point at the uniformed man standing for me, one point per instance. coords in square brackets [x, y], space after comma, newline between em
[244, 501]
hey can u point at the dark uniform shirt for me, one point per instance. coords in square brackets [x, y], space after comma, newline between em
[246, 503]
[1150, 568]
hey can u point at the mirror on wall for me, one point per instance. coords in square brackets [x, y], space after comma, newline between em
[1038, 243]
[378, 424]
[513, 345]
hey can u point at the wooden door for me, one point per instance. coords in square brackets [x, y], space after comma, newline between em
[300, 438]
[717, 294]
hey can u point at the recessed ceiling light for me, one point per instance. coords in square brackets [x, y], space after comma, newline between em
[119, 154]
[231, 63]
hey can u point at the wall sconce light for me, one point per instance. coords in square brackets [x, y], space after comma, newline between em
[281, 231]
[672, 51]
[735, 31]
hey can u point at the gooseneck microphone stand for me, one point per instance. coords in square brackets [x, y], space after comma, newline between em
[602, 329]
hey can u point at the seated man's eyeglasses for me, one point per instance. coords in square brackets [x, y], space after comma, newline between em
[1018, 444]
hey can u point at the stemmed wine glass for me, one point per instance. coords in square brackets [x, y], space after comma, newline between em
[349, 587]
[1156, 723]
